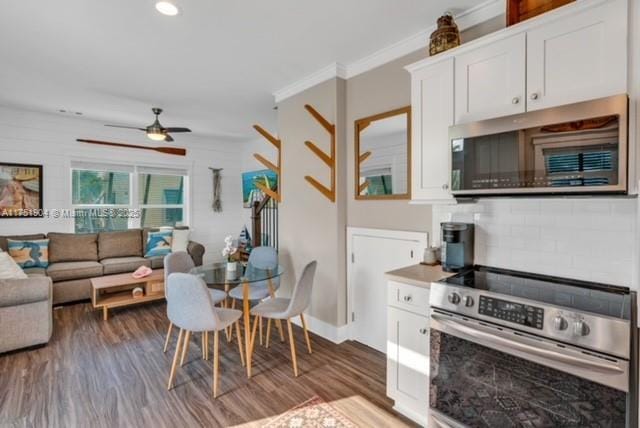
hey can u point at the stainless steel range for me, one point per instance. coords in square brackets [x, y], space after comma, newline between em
[515, 349]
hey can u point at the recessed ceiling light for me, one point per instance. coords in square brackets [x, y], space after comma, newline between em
[167, 8]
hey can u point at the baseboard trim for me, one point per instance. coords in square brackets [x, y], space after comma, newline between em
[414, 416]
[323, 329]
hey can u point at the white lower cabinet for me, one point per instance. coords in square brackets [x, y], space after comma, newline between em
[408, 354]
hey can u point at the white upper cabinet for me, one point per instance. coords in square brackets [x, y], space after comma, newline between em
[490, 80]
[579, 58]
[432, 115]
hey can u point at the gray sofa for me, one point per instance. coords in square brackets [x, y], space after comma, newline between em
[25, 304]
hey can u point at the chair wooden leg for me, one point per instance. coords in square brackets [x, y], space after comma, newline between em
[205, 345]
[237, 323]
[174, 364]
[230, 335]
[253, 332]
[268, 332]
[306, 333]
[185, 349]
[293, 349]
[166, 341]
[279, 325]
[260, 329]
[215, 364]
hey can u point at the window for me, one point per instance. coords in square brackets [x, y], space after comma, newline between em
[104, 197]
[161, 199]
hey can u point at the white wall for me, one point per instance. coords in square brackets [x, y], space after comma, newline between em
[49, 139]
[587, 239]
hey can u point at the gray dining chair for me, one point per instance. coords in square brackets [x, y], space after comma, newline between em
[285, 309]
[260, 258]
[181, 262]
[191, 308]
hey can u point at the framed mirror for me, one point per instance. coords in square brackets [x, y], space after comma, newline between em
[383, 155]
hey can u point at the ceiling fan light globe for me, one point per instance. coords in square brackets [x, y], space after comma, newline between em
[156, 137]
[167, 8]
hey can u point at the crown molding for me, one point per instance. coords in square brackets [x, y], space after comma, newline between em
[467, 19]
[329, 72]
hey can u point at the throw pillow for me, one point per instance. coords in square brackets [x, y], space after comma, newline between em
[9, 269]
[158, 243]
[30, 254]
[180, 240]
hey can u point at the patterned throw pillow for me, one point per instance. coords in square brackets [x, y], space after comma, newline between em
[9, 268]
[158, 243]
[29, 254]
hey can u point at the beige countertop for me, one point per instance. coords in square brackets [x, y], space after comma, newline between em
[419, 275]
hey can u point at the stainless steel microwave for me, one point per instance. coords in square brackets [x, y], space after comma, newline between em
[574, 149]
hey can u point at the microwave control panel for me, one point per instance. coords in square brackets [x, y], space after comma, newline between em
[530, 316]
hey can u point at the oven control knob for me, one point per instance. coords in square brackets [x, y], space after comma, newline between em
[468, 301]
[454, 298]
[580, 328]
[560, 323]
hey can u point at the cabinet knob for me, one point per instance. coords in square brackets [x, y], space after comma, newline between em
[535, 96]
[515, 100]
[424, 331]
[408, 298]
[445, 186]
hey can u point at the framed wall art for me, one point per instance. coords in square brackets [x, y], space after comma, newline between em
[20, 190]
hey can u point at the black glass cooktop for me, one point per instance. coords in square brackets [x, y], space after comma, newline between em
[582, 296]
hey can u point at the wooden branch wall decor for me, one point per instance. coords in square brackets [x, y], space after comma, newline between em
[277, 194]
[328, 159]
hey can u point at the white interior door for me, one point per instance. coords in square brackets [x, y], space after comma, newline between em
[373, 254]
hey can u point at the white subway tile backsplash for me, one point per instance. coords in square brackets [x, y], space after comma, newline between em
[590, 239]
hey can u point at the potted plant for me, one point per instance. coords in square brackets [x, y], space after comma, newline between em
[229, 252]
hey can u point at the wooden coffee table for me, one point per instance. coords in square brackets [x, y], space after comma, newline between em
[114, 291]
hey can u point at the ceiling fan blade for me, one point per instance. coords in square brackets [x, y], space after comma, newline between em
[177, 129]
[126, 127]
[168, 138]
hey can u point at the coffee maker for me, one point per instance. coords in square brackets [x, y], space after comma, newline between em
[457, 246]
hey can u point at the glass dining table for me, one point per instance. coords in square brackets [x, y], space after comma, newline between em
[218, 276]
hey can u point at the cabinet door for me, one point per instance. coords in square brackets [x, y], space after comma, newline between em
[580, 57]
[432, 115]
[490, 80]
[408, 358]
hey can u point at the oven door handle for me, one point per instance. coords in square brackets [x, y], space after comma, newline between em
[494, 339]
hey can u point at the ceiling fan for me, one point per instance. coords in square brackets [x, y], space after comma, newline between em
[156, 131]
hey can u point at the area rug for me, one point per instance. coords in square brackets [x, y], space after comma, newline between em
[313, 413]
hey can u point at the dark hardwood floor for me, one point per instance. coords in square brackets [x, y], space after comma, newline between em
[113, 374]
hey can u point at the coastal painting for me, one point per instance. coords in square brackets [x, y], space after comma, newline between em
[20, 190]
[251, 192]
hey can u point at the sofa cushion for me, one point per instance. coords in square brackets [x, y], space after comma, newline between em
[35, 272]
[123, 264]
[4, 245]
[73, 247]
[66, 271]
[157, 262]
[30, 253]
[127, 243]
